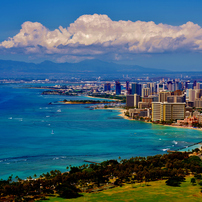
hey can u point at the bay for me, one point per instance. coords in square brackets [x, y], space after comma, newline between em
[36, 137]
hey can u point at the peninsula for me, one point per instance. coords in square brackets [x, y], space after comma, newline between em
[86, 102]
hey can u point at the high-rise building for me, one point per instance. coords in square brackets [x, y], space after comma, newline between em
[152, 88]
[197, 93]
[129, 100]
[144, 85]
[136, 100]
[198, 103]
[176, 98]
[177, 92]
[107, 86]
[132, 100]
[198, 85]
[186, 84]
[167, 111]
[155, 98]
[147, 99]
[180, 86]
[156, 111]
[139, 89]
[163, 96]
[118, 88]
[178, 111]
[192, 95]
[145, 92]
[190, 86]
[160, 87]
[170, 85]
[194, 84]
[143, 105]
[172, 111]
[136, 89]
[176, 85]
[127, 85]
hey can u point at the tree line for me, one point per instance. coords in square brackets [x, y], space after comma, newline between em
[95, 177]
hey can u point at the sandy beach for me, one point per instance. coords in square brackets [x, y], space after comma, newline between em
[122, 114]
[183, 127]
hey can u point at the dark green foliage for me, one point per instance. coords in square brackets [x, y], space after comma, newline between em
[196, 150]
[193, 159]
[198, 176]
[175, 181]
[67, 190]
[74, 170]
[118, 182]
[171, 166]
[110, 162]
[121, 98]
[193, 181]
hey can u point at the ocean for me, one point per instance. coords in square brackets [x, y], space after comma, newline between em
[36, 137]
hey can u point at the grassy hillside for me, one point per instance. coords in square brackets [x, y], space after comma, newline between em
[153, 191]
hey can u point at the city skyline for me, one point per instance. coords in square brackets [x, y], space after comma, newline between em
[154, 34]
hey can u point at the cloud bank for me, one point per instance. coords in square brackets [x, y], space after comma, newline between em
[92, 36]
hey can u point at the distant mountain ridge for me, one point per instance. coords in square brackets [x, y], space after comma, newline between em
[90, 67]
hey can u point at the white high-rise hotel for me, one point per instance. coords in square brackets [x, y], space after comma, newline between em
[164, 111]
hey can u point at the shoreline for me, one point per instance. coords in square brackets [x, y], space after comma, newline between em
[102, 98]
[81, 102]
[122, 114]
[122, 111]
[183, 127]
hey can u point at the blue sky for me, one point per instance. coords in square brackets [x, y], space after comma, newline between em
[51, 14]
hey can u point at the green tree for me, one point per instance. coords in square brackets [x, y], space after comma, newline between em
[193, 181]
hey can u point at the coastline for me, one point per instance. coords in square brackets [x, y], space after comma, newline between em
[122, 114]
[102, 98]
[183, 127]
[82, 102]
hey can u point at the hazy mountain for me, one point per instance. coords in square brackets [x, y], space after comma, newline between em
[86, 67]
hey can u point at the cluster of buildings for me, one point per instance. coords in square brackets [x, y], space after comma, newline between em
[165, 101]
[162, 101]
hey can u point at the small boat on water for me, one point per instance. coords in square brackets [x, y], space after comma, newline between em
[52, 132]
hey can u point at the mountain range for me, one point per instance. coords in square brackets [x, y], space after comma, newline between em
[89, 68]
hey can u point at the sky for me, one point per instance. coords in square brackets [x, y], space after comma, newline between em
[150, 33]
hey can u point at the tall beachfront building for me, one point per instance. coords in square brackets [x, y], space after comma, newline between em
[167, 111]
[132, 100]
[156, 111]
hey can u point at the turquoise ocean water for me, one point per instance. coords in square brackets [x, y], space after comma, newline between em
[36, 137]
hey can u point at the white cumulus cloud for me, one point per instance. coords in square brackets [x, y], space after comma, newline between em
[95, 35]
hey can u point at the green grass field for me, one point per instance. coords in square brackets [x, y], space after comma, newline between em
[156, 191]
